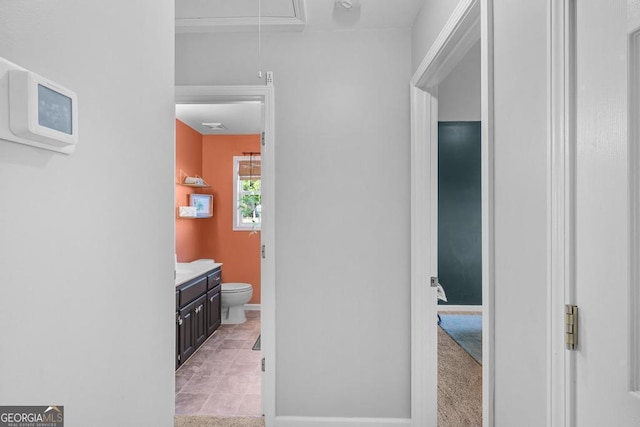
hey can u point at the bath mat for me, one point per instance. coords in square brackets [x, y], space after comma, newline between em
[466, 330]
[256, 346]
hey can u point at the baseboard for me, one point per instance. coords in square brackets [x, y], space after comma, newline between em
[340, 422]
[469, 308]
[252, 307]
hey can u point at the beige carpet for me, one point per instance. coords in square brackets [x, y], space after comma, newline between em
[459, 385]
[459, 393]
[209, 421]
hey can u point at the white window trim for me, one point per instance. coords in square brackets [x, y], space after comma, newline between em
[237, 225]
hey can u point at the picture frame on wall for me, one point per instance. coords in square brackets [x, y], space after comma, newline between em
[203, 204]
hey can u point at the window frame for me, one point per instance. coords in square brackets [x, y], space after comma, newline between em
[238, 225]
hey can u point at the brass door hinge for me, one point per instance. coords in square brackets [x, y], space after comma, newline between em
[571, 326]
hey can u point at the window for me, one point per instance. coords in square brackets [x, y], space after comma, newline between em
[247, 182]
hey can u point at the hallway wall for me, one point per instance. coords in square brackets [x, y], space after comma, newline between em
[342, 151]
[86, 247]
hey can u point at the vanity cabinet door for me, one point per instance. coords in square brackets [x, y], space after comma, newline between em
[213, 310]
[186, 327]
[200, 321]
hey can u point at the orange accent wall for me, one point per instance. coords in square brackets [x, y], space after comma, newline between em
[211, 157]
[238, 250]
[188, 159]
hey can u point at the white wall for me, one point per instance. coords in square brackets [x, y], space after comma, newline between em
[426, 27]
[459, 92]
[342, 158]
[86, 247]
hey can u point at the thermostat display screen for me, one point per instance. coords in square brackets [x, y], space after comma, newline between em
[54, 110]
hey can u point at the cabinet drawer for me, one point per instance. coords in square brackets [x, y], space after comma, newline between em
[214, 279]
[215, 290]
[193, 290]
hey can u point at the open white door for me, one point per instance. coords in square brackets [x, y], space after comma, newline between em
[460, 33]
[603, 370]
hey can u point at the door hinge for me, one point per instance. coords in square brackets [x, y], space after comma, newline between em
[262, 139]
[263, 365]
[179, 357]
[264, 252]
[179, 320]
[571, 326]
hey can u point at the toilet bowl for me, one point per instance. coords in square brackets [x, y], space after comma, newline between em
[233, 297]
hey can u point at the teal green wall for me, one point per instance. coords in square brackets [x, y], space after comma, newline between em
[459, 212]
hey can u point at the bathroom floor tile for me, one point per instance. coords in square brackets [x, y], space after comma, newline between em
[181, 380]
[244, 367]
[233, 344]
[222, 404]
[254, 384]
[223, 378]
[190, 403]
[250, 405]
[202, 384]
[234, 384]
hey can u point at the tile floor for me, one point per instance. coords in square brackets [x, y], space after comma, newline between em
[223, 377]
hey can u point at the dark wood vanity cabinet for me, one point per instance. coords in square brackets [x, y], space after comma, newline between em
[197, 313]
[186, 332]
[213, 310]
[214, 281]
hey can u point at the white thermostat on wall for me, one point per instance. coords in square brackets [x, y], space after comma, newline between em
[36, 111]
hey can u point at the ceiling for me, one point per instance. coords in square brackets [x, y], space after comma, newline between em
[276, 15]
[293, 15]
[239, 118]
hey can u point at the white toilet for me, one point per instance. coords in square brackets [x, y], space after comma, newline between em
[233, 297]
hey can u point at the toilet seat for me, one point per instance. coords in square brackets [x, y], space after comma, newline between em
[231, 288]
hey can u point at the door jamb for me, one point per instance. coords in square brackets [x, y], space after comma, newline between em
[217, 94]
[561, 210]
[471, 20]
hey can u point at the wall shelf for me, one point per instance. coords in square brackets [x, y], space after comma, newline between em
[205, 185]
[194, 181]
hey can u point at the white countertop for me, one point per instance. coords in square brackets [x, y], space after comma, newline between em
[186, 271]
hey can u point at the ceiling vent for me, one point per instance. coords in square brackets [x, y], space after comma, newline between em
[215, 126]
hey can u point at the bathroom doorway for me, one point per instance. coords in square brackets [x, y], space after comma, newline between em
[246, 383]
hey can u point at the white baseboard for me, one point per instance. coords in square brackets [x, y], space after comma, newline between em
[340, 422]
[252, 307]
[470, 308]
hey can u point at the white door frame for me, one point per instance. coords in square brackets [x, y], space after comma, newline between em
[561, 211]
[471, 20]
[218, 94]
